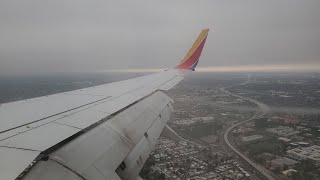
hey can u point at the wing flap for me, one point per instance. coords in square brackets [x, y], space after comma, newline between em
[14, 161]
[107, 145]
[140, 153]
[37, 109]
[53, 171]
[41, 138]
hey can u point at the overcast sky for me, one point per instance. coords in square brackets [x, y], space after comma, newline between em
[78, 35]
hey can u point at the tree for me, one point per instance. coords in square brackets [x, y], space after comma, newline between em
[306, 165]
[162, 176]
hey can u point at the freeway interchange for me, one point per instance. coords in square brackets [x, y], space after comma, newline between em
[259, 171]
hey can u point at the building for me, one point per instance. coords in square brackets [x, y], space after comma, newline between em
[282, 161]
[285, 120]
[192, 121]
[303, 153]
[282, 131]
[303, 144]
[242, 130]
[289, 172]
[251, 138]
[284, 139]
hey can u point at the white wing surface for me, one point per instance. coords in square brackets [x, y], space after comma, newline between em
[101, 132]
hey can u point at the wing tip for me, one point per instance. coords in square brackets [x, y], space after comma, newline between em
[191, 59]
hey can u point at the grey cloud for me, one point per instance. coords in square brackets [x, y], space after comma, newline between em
[78, 35]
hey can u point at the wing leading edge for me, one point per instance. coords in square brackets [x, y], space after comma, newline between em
[101, 132]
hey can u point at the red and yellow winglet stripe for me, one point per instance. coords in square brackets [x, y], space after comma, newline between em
[191, 59]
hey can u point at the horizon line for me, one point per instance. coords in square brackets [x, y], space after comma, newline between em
[239, 68]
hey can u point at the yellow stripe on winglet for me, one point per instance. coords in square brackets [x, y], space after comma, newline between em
[201, 36]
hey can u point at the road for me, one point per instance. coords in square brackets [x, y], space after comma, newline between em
[264, 110]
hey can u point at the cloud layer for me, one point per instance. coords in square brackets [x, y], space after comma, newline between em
[78, 35]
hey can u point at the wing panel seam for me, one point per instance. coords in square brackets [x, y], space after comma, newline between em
[53, 115]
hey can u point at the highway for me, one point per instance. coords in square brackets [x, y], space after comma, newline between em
[264, 110]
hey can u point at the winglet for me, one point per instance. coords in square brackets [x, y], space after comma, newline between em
[191, 59]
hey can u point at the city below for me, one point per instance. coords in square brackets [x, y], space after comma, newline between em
[239, 126]
[256, 126]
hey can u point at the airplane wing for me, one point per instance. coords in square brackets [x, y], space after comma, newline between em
[101, 132]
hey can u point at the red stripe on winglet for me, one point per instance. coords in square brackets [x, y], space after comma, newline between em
[193, 58]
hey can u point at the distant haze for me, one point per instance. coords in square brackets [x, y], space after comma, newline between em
[40, 36]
